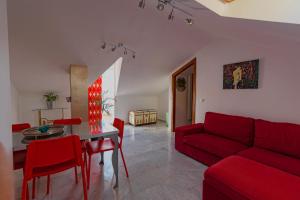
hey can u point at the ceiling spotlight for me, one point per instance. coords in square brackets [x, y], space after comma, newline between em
[113, 48]
[160, 6]
[171, 16]
[189, 21]
[142, 3]
[120, 44]
[103, 46]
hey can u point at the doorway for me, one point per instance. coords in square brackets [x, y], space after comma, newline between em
[184, 95]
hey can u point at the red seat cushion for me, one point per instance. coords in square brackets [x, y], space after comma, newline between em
[43, 171]
[280, 161]
[216, 145]
[280, 137]
[237, 175]
[235, 128]
[100, 146]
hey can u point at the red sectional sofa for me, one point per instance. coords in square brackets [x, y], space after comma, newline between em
[220, 136]
[268, 170]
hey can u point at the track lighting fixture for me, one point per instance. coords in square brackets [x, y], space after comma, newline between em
[160, 6]
[171, 16]
[114, 47]
[142, 3]
[189, 21]
[120, 44]
[103, 45]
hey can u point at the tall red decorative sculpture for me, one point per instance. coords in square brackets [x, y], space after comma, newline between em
[95, 105]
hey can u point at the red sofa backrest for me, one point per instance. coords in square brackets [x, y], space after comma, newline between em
[279, 137]
[240, 129]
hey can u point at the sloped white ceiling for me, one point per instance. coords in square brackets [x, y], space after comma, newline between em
[47, 36]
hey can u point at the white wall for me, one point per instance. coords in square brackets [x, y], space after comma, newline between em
[5, 105]
[31, 101]
[163, 105]
[126, 103]
[278, 96]
[14, 104]
[110, 82]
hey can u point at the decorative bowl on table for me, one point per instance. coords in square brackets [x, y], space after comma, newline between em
[42, 132]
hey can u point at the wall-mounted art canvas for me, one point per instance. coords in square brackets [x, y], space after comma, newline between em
[243, 75]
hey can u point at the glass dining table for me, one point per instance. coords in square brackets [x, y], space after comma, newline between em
[86, 132]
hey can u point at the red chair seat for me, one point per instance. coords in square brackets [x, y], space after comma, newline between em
[280, 161]
[216, 145]
[107, 144]
[19, 158]
[238, 178]
[100, 146]
[44, 171]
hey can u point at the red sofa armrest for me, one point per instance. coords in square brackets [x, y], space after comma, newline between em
[180, 132]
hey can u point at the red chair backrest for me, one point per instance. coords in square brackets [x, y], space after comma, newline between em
[20, 127]
[48, 153]
[72, 121]
[119, 124]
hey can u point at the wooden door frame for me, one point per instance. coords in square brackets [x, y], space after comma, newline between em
[193, 64]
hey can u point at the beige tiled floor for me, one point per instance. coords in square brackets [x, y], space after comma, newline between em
[156, 171]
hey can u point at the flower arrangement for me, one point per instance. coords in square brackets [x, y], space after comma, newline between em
[107, 103]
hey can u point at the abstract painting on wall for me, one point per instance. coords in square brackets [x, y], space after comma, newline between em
[243, 75]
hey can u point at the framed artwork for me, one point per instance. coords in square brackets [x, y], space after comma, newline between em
[243, 75]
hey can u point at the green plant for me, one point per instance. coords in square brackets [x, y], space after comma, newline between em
[50, 96]
[107, 103]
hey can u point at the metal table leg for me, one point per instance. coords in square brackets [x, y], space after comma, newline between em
[115, 159]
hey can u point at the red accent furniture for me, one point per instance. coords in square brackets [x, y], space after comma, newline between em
[46, 157]
[239, 178]
[101, 146]
[19, 156]
[70, 122]
[94, 103]
[270, 170]
[220, 136]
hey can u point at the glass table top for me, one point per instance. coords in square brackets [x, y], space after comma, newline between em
[85, 131]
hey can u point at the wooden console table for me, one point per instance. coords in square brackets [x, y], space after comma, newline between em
[46, 116]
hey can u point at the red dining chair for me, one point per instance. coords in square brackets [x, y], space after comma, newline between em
[107, 144]
[19, 156]
[47, 157]
[70, 122]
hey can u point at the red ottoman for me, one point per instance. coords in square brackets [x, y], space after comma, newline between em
[238, 178]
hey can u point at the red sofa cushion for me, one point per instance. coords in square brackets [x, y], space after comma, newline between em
[279, 161]
[238, 175]
[189, 129]
[215, 145]
[280, 137]
[236, 128]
